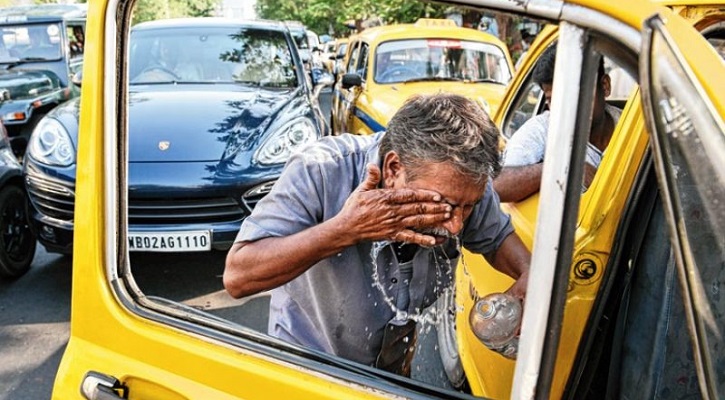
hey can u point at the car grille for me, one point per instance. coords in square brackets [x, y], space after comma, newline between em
[181, 211]
[252, 196]
[55, 198]
[49, 196]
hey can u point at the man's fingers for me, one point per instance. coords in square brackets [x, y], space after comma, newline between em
[372, 179]
[402, 196]
[408, 236]
[424, 220]
[423, 208]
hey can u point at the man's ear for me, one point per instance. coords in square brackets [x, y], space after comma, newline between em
[392, 170]
[606, 85]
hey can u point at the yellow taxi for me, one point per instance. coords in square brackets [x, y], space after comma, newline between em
[618, 277]
[626, 281]
[333, 59]
[385, 65]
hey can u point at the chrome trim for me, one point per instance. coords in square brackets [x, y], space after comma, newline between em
[552, 204]
[110, 138]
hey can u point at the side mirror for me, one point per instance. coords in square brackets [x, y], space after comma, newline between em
[77, 78]
[320, 77]
[351, 80]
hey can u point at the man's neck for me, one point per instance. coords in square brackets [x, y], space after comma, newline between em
[601, 132]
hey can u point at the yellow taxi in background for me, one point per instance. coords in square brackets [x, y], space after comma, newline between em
[333, 59]
[618, 288]
[654, 218]
[385, 65]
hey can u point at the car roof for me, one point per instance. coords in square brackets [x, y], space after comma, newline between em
[209, 22]
[42, 12]
[426, 28]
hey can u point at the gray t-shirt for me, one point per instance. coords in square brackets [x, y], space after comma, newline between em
[335, 306]
[528, 144]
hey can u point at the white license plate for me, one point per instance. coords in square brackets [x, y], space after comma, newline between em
[169, 241]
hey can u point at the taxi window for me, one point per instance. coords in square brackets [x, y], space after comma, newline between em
[362, 65]
[529, 102]
[440, 58]
[352, 61]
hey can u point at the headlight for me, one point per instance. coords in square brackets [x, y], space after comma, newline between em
[278, 147]
[50, 144]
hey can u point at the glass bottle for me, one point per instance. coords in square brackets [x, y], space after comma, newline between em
[495, 320]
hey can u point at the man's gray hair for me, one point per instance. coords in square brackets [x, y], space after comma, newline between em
[444, 128]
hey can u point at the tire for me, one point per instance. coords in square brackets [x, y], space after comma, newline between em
[17, 241]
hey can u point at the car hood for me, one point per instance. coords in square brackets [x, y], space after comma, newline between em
[203, 125]
[387, 99]
[25, 84]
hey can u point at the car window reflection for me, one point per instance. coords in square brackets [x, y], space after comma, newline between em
[247, 56]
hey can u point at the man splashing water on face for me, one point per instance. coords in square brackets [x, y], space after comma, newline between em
[413, 187]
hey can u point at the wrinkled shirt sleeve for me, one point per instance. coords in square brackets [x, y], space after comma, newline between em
[488, 225]
[528, 144]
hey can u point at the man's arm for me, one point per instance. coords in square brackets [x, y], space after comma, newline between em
[518, 183]
[513, 259]
[369, 214]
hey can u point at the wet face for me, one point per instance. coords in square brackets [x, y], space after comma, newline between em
[456, 189]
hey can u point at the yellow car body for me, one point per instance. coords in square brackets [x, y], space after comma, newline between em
[125, 343]
[601, 210]
[367, 107]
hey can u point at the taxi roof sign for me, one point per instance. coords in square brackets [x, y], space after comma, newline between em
[428, 22]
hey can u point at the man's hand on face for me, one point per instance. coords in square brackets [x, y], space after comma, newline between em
[374, 213]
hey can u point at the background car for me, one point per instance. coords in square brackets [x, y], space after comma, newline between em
[338, 56]
[41, 48]
[17, 240]
[215, 108]
[385, 65]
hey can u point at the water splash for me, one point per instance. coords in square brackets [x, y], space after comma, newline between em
[430, 315]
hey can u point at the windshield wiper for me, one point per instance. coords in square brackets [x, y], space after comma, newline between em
[433, 79]
[15, 63]
[484, 80]
[248, 83]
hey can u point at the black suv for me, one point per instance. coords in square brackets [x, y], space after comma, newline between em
[41, 48]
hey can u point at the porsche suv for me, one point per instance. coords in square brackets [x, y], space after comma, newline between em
[215, 108]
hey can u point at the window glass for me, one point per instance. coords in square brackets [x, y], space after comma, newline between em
[218, 55]
[352, 62]
[76, 40]
[402, 60]
[37, 42]
[528, 103]
[362, 65]
[693, 146]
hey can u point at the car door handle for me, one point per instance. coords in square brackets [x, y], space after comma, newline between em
[98, 386]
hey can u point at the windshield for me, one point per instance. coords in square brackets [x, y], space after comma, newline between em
[300, 38]
[433, 59]
[211, 55]
[29, 43]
